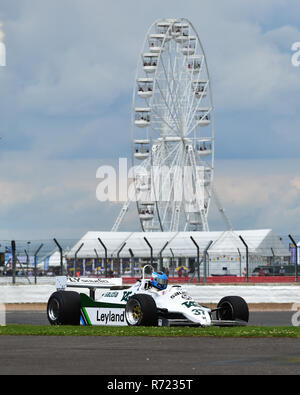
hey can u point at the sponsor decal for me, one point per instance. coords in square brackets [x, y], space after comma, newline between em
[190, 304]
[126, 296]
[186, 296]
[104, 316]
[110, 316]
[79, 280]
[111, 294]
[176, 294]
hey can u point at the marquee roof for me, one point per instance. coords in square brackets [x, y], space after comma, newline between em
[178, 244]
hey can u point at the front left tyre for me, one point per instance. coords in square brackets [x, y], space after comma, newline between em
[63, 308]
[141, 310]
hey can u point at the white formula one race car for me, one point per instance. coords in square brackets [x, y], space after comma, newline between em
[149, 302]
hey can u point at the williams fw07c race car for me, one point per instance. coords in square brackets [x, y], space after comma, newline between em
[149, 302]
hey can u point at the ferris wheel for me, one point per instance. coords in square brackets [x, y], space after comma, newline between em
[172, 131]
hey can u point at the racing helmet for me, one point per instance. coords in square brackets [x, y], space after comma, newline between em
[159, 280]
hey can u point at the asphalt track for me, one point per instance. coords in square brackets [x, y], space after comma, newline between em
[267, 318]
[113, 356]
[38, 355]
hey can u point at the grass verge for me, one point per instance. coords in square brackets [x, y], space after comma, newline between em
[250, 331]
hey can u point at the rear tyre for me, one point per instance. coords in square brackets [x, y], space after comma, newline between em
[63, 308]
[141, 310]
[233, 308]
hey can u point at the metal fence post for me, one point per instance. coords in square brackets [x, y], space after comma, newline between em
[240, 261]
[35, 261]
[105, 250]
[198, 258]
[247, 258]
[97, 258]
[172, 262]
[151, 250]
[75, 259]
[61, 257]
[13, 266]
[131, 262]
[296, 264]
[204, 260]
[160, 256]
[27, 266]
[27, 259]
[118, 259]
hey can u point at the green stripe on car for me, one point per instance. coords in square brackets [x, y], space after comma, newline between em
[85, 301]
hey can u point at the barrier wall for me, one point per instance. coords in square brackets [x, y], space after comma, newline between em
[226, 280]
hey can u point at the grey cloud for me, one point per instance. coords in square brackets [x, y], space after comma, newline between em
[66, 94]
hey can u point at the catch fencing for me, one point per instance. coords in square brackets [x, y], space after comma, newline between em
[39, 261]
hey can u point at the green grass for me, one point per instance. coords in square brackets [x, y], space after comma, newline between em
[250, 331]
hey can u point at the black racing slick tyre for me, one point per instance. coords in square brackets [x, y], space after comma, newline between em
[233, 308]
[63, 308]
[141, 310]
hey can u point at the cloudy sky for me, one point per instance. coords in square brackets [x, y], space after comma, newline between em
[66, 97]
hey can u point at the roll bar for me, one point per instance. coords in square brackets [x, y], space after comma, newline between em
[143, 282]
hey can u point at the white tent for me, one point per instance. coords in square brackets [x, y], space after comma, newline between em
[179, 244]
[52, 260]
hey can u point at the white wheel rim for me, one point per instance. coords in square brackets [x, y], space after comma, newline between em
[53, 310]
[133, 312]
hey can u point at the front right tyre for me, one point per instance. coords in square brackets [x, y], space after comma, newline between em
[232, 308]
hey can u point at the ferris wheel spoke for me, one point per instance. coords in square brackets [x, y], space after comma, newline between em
[166, 158]
[189, 78]
[192, 95]
[193, 110]
[169, 204]
[200, 119]
[197, 107]
[184, 71]
[168, 107]
[174, 79]
[169, 88]
[183, 202]
[164, 121]
[173, 67]
[189, 117]
[188, 93]
[180, 98]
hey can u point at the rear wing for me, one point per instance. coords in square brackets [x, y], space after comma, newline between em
[63, 282]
